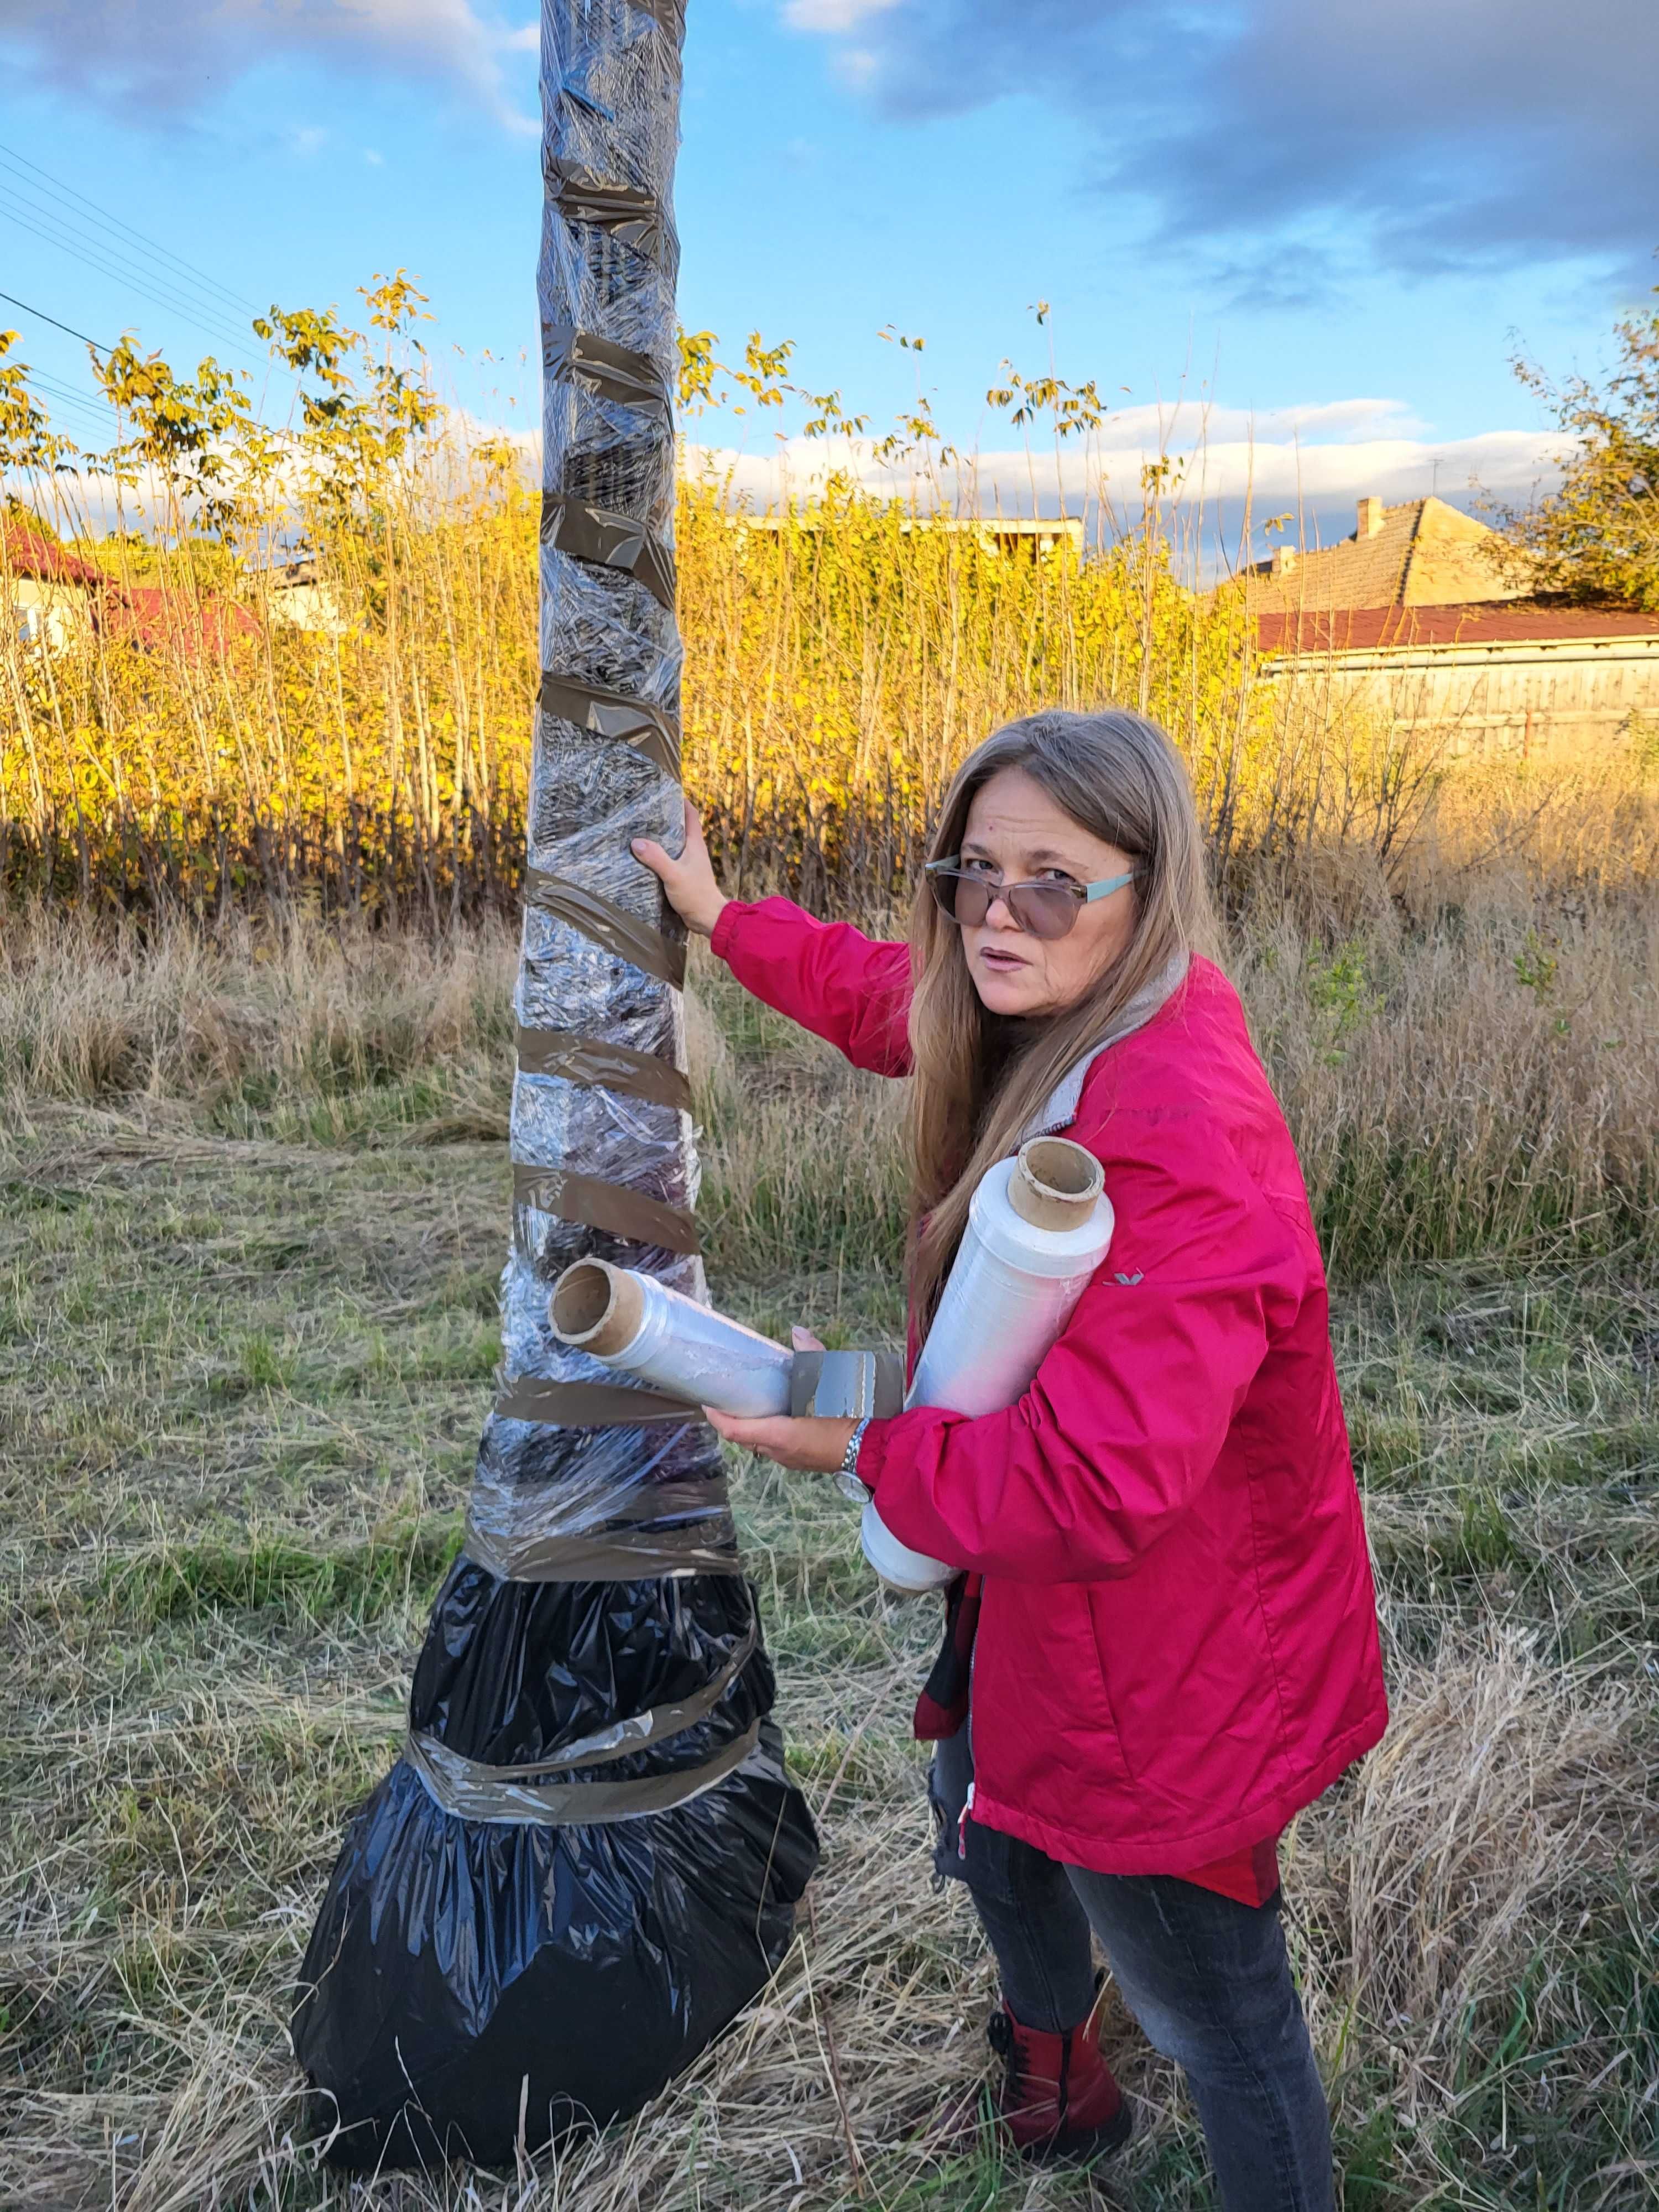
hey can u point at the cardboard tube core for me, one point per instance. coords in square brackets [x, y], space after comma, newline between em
[597, 1308]
[1056, 1184]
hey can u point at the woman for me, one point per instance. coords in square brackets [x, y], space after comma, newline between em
[1167, 1602]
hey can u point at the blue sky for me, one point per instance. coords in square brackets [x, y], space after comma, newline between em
[1329, 223]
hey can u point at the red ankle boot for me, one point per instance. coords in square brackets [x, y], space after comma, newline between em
[1059, 2099]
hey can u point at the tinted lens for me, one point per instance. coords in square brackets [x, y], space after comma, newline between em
[1043, 909]
[965, 898]
[1046, 910]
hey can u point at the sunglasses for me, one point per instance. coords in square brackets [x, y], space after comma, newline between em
[1046, 910]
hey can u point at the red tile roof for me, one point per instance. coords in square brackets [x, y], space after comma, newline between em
[25, 552]
[1486, 622]
[148, 614]
[145, 615]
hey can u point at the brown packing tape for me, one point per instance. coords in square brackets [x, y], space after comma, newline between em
[617, 1555]
[609, 926]
[614, 371]
[610, 714]
[669, 14]
[623, 1737]
[588, 1405]
[846, 1385]
[591, 1061]
[601, 1205]
[628, 214]
[614, 541]
[463, 1787]
[586, 1560]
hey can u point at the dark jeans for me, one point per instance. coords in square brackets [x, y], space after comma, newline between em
[1207, 1979]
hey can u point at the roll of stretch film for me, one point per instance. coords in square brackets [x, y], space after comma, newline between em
[1039, 1227]
[637, 1326]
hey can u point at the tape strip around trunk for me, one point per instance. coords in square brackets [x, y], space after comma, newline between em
[625, 1737]
[613, 371]
[669, 14]
[597, 1064]
[611, 926]
[632, 216]
[613, 540]
[589, 1404]
[467, 1788]
[601, 1205]
[540, 1554]
[708, 1548]
[610, 714]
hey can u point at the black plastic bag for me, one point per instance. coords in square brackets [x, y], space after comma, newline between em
[473, 1984]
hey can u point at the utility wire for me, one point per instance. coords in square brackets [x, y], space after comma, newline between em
[44, 318]
[97, 257]
[57, 189]
[66, 395]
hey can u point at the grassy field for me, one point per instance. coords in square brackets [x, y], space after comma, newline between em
[255, 1195]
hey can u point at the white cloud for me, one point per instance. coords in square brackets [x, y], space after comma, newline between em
[833, 15]
[173, 55]
[1313, 462]
[1487, 132]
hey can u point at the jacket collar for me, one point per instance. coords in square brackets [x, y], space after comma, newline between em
[1061, 1110]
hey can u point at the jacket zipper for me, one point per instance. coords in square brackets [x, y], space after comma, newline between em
[966, 1814]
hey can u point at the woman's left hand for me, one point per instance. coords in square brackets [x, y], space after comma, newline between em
[815, 1445]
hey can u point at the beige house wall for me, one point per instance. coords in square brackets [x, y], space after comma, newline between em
[1499, 701]
[44, 613]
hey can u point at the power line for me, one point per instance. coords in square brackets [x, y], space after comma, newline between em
[96, 345]
[68, 396]
[105, 261]
[65, 193]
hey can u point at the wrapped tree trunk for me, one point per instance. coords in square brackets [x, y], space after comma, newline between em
[586, 1860]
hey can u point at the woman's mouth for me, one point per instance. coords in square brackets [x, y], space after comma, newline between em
[1001, 962]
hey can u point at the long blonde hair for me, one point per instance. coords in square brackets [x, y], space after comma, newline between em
[979, 1077]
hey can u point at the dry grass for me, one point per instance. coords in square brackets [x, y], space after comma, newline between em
[254, 1214]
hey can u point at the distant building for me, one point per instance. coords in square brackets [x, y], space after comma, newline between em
[1032, 536]
[49, 593]
[54, 598]
[1412, 618]
[297, 594]
[1422, 553]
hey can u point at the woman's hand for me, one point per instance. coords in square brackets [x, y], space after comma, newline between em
[815, 1445]
[689, 881]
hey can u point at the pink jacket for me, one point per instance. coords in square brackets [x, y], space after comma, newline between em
[1177, 1645]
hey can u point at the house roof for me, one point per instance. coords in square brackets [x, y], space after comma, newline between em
[1369, 629]
[150, 615]
[26, 552]
[133, 614]
[1422, 553]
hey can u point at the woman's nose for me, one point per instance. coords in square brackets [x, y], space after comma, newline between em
[999, 907]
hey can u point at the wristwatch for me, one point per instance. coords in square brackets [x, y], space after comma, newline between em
[847, 1474]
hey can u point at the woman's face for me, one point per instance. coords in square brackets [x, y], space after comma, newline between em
[1016, 831]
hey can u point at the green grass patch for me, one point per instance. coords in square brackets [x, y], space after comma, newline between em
[356, 1582]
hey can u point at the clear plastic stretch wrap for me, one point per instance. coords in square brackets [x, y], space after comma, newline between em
[636, 1325]
[1039, 1226]
[586, 1861]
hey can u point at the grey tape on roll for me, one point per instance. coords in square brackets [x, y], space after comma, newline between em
[614, 541]
[611, 926]
[593, 1061]
[603, 1205]
[648, 729]
[614, 371]
[473, 1792]
[846, 1385]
